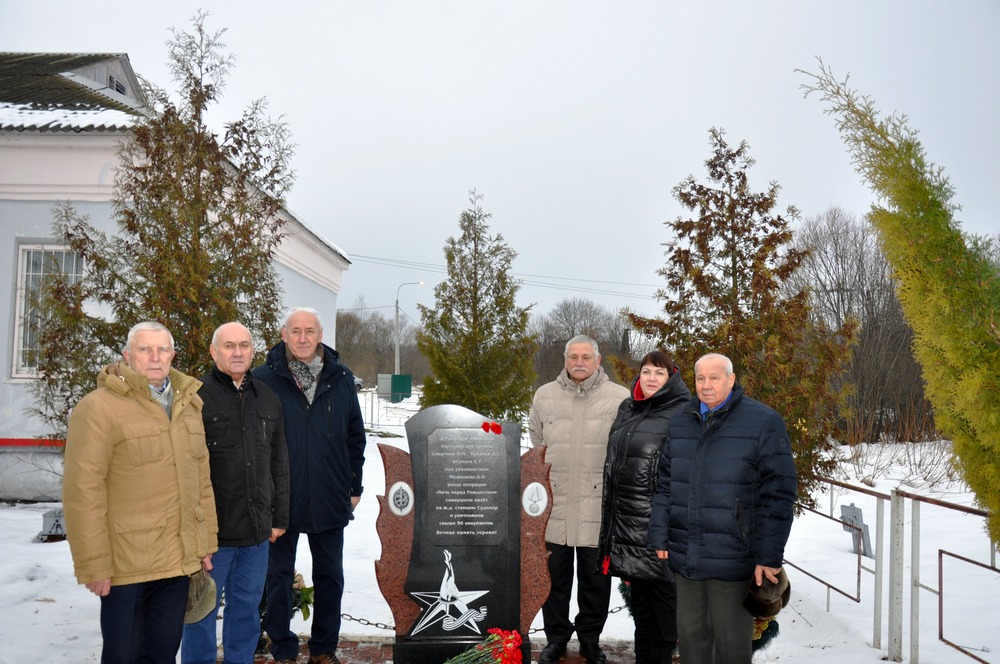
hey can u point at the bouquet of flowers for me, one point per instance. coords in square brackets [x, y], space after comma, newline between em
[764, 629]
[500, 646]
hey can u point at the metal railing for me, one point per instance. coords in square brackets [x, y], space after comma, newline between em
[896, 538]
[897, 568]
[877, 571]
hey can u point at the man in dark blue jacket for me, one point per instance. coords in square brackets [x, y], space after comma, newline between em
[722, 512]
[248, 455]
[326, 446]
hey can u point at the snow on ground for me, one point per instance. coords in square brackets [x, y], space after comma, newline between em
[47, 616]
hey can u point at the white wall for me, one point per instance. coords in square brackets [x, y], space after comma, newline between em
[37, 172]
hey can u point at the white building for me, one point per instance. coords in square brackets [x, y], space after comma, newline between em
[61, 119]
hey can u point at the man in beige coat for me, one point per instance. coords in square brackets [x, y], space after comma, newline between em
[572, 416]
[137, 494]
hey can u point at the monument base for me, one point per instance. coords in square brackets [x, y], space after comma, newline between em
[407, 650]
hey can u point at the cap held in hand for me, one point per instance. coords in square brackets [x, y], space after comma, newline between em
[766, 600]
[201, 597]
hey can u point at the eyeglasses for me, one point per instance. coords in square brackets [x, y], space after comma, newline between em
[150, 350]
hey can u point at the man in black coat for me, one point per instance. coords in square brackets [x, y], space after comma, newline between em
[722, 512]
[249, 462]
[325, 433]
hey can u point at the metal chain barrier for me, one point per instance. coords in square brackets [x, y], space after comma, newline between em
[392, 628]
[367, 623]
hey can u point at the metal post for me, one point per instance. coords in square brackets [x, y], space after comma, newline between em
[915, 581]
[408, 283]
[895, 653]
[879, 566]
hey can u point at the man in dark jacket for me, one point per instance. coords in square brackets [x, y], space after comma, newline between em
[326, 451]
[247, 453]
[722, 511]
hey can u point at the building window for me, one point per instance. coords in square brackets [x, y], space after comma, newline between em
[117, 85]
[35, 262]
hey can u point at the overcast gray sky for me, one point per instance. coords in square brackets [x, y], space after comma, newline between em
[574, 120]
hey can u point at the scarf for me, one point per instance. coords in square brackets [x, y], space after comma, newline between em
[305, 374]
[164, 396]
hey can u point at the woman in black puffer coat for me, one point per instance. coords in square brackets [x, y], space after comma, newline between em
[630, 473]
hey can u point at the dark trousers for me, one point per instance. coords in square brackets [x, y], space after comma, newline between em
[593, 595]
[143, 622]
[712, 625]
[328, 581]
[654, 611]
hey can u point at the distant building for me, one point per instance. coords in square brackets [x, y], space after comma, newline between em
[62, 116]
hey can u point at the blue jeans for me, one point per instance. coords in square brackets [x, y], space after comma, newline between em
[239, 572]
[142, 622]
[328, 580]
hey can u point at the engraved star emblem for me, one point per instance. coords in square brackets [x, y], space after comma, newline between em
[441, 604]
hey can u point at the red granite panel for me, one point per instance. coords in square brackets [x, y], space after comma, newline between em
[535, 581]
[396, 534]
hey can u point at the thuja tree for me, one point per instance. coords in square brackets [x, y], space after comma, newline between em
[476, 337]
[197, 224]
[949, 289]
[725, 271]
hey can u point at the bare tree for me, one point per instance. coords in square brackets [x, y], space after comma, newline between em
[365, 340]
[570, 317]
[849, 279]
[577, 316]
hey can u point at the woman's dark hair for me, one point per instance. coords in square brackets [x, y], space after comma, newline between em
[659, 358]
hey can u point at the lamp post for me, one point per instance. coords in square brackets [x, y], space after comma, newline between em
[408, 283]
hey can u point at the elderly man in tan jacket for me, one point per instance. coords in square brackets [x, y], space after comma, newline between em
[137, 494]
[572, 416]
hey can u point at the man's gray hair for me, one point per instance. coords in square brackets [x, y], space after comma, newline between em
[308, 310]
[215, 335]
[726, 362]
[582, 339]
[146, 326]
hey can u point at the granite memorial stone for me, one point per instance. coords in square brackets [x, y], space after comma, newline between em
[462, 527]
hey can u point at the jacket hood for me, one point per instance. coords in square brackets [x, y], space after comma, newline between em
[672, 391]
[595, 380]
[121, 378]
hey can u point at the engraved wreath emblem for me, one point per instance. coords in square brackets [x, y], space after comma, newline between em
[401, 499]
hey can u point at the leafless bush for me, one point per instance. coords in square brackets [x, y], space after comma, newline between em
[848, 278]
[872, 461]
[930, 463]
[574, 316]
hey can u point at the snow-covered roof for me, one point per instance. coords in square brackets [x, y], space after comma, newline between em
[81, 92]
[68, 92]
[30, 117]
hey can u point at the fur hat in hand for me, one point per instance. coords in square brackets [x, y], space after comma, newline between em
[201, 597]
[766, 600]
